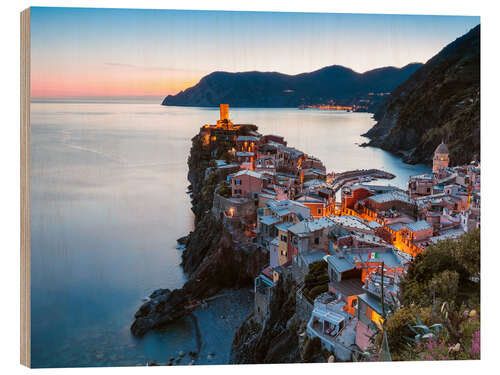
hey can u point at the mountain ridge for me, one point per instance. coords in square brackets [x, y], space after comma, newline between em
[274, 89]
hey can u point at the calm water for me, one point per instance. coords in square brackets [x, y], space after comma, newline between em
[108, 202]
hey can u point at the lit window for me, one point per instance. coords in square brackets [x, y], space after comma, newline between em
[377, 319]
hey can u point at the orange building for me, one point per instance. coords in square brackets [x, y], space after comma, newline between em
[351, 195]
[319, 206]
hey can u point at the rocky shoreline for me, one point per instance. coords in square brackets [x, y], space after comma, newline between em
[216, 258]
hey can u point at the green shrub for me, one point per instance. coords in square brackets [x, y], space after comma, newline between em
[317, 290]
[444, 346]
[225, 190]
[318, 267]
[316, 280]
[398, 331]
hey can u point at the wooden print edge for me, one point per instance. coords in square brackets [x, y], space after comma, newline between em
[25, 274]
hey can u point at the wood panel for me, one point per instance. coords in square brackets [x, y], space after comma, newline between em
[25, 191]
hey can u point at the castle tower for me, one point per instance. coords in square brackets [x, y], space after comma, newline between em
[224, 121]
[224, 112]
[441, 158]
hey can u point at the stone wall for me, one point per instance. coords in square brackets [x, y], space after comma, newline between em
[303, 308]
[261, 305]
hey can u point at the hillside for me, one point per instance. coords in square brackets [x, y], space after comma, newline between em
[440, 101]
[272, 89]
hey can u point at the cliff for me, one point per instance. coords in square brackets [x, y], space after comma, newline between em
[281, 336]
[440, 101]
[272, 89]
[275, 340]
[212, 258]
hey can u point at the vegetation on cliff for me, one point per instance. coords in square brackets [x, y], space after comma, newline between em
[439, 102]
[316, 280]
[440, 297]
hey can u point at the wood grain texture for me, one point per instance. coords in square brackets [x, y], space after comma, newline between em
[25, 191]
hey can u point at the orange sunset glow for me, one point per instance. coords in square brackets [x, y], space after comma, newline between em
[119, 52]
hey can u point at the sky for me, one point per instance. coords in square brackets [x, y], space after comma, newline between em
[86, 52]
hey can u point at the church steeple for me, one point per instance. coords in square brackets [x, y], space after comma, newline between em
[441, 158]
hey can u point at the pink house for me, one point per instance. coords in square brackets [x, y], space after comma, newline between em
[245, 183]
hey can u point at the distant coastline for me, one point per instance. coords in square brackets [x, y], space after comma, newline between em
[331, 85]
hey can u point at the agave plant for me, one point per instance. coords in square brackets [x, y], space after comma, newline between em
[422, 332]
[453, 318]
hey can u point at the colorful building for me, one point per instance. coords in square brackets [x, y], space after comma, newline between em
[246, 184]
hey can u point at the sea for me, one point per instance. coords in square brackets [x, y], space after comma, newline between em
[108, 201]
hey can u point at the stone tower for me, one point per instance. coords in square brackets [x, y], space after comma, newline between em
[441, 158]
[224, 121]
[224, 112]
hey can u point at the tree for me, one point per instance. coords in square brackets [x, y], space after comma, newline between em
[441, 288]
[397, 328]
[452, 262]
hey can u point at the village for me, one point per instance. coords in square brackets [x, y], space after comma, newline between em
[346, 240]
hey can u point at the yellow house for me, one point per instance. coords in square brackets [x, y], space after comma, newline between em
[283, 253]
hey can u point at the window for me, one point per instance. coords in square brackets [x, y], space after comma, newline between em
[319, 211]
[283, 238]
[316, 241]
[369, 312]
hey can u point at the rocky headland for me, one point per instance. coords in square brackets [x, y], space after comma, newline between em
[213, 255]
[440, 102]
